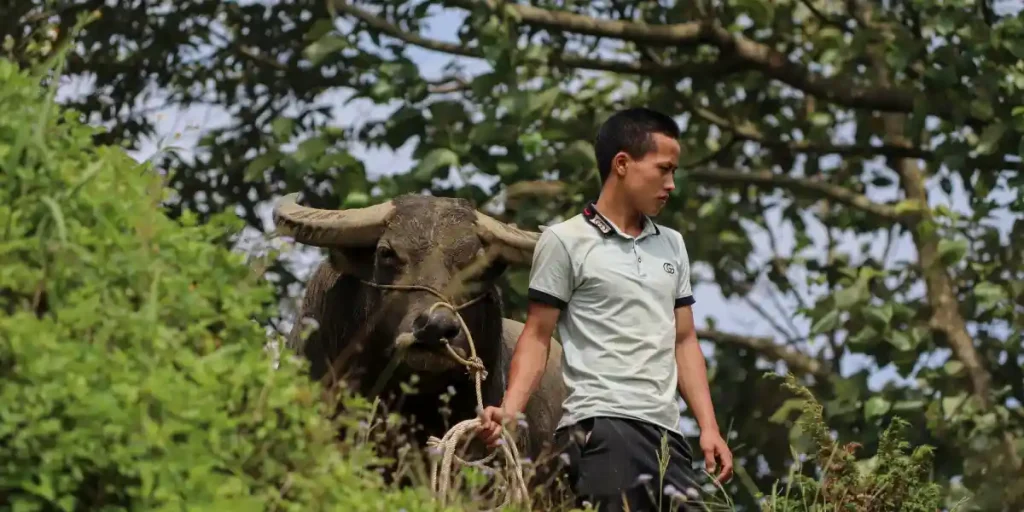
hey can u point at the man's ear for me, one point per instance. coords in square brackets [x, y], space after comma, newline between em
[353, 261]
[620, 163]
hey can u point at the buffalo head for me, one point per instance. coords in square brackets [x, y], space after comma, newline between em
[424, 243]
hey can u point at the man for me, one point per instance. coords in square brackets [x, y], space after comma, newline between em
[617, 285]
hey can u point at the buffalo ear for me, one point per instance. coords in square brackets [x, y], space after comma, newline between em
[494, 270]
[353, 261]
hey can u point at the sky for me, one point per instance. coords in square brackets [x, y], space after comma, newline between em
[181, 128]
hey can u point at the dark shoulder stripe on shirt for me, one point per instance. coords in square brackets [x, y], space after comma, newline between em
[685, 301]
[535, 295]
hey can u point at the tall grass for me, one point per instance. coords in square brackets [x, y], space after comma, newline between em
[836, 481]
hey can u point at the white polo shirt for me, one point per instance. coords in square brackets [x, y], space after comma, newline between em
[618, 296]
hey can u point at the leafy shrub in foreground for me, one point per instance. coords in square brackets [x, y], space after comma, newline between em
[132, 369]
[895, 482]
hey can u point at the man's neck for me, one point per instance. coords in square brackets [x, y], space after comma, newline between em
[615, 208]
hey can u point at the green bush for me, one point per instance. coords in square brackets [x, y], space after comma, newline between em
[893, 481]
[132, 368]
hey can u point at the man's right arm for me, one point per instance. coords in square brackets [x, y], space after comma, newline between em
[551, 285]
[530, 357]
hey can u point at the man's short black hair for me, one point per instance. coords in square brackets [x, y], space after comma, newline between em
[630, 130]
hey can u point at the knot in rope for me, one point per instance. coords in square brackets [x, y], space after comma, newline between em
[443, 449]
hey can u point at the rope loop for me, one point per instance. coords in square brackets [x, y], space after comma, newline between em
[441, 467]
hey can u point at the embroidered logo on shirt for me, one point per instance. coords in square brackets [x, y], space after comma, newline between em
[669, 268]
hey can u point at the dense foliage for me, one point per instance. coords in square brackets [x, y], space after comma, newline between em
[851, 170]
[132, 369]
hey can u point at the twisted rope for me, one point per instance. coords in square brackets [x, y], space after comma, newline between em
[441, 471]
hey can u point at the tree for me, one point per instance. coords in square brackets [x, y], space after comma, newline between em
[856, 160]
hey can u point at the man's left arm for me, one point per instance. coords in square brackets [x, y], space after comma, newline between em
[692, 369]
[693, 378]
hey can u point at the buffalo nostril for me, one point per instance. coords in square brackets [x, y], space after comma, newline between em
[436, 326]
[420, 322]
[450, 329]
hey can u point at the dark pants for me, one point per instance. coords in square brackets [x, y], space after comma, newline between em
[610, 458]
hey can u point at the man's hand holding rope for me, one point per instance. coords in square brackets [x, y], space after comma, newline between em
[492, 421]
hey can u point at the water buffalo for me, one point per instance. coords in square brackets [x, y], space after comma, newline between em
[367, 331]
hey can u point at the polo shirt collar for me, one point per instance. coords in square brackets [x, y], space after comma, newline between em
[607, 228]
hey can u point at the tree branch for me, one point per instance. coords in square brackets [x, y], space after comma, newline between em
[746, 130]
[797, 185]
[380, 24]
[797, 362]
[720, 67]
[714, 69]
[757, 56]
[765, 179]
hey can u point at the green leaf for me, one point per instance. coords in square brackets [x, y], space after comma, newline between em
[990, 137]
[901, 340]
[988, 294]
[436, 159]
[448, 113]
[281, 127]
[848, 297]
[952, 404]
[339, 160]
[953, 367]
[826, 323]
[762, 12]
[254, 171]
[820, 118]
[544, 100]
[324, 47]
[785, 410]
[708, 209]
[1015, 45]
[907, 405]
[507, 169]
[952, 251]
[982, 109]
[310, 149]
[880, 316]
[876, 406]
[58, 218]
[729, 237]
[579, 154]
[864, 338]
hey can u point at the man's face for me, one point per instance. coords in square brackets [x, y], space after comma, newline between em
[649, 180]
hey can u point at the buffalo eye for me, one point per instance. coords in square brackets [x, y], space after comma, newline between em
[387, 256]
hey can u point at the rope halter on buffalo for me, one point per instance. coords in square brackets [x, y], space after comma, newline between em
[441, 470]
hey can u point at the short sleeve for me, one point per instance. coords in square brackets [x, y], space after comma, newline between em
[684, 295]
[551, 274]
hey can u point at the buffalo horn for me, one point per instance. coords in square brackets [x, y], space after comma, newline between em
[516, 244]
[357, 227]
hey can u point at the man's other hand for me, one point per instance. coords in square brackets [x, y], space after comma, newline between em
[716, 450]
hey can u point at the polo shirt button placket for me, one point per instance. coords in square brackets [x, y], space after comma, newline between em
[639, 259]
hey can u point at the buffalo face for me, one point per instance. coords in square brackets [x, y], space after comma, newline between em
[425, 245]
